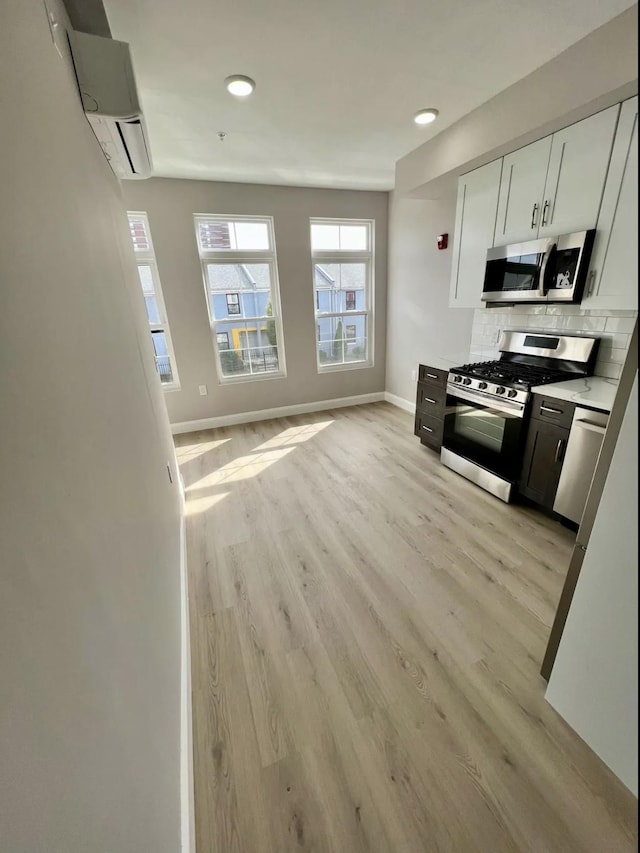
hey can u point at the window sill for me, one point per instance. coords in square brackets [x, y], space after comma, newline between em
[170, 386]
[251, 377]
[339, 368]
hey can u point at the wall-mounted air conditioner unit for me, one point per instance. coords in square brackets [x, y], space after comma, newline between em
[110, 101]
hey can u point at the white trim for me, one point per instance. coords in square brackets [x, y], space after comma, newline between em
[227, 257]
[348, 256]
[147, 258]
[400, 402]
[187, 798]
[280, 412]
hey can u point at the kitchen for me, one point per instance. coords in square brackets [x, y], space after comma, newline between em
[531, 409]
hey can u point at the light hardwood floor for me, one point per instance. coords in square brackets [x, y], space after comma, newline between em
[367, 630]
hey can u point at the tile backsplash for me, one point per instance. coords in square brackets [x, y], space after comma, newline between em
[613, 327]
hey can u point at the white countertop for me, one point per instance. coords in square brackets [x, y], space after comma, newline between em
[443, 363]
[593, 391]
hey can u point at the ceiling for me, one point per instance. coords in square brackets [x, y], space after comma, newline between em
[338, 81]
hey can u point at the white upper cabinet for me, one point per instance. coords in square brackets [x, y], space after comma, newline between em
[554, 186]
[576, 175]
[613, 277]
[474, 228]
[521, 191]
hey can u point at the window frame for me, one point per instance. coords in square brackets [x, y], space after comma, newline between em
[228, 342]
[235, 304]
[243, 256]
[147, 258]
[340, 256]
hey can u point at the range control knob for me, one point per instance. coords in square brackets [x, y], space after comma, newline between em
[457, 378]
[512, 393]
[500, 389]
[466, 381]
[482, 385]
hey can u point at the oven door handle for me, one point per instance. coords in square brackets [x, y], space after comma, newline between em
[501, 405]
[549, 251]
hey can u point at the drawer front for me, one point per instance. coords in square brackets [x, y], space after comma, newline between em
[431, 399]
[429, 430]
[432, 374]
[552, 411]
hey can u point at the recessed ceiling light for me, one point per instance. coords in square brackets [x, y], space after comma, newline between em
[239, 85]
[425, 116]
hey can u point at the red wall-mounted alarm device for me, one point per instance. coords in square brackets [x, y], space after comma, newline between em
[443, 241]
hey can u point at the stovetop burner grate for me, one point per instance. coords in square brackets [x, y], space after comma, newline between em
[506, 372]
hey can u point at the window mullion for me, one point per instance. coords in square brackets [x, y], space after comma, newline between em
[361, 312]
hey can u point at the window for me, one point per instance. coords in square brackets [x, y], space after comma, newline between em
[233, 303]
[240, 276]
[152, 292]
[342, 255]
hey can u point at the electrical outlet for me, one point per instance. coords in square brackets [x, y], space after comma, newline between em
[414, 375]
[203, 390]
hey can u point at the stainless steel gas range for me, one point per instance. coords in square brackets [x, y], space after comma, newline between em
[487, 404]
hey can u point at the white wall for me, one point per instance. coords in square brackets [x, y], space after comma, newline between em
[171, 205]
[421, 328]
[594, 682]
[89, 522]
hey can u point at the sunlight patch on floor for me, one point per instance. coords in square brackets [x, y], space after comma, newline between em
[192, 451]
[294, 435]
[242, 468]
[195, 506]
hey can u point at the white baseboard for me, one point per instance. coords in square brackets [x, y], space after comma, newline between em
[400, 402]
[280, 412]
[187, 798]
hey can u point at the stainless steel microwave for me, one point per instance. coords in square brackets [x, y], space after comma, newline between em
[549, 270]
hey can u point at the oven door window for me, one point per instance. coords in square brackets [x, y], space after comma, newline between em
[515, 274]
[487, 436]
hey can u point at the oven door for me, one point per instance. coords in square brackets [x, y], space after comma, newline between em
[517, 273]
[485, 431]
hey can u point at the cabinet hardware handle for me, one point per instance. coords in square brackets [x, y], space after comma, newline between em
[592, 282]
[432, 375]
[429, 400]
[428, 429]
[558, 449]
[544, 213]
[534, 221]
[549, 409]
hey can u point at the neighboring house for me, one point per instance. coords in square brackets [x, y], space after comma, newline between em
[241, 291]
[238, 293]
[342, 297]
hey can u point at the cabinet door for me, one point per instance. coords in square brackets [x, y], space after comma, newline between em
[474, 230]
[521, 191]
[577, 171]
[613, 279]
[543, 455]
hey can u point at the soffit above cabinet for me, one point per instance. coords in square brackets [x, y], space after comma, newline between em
[579, 82]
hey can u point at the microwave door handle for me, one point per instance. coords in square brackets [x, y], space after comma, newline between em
[542, 289]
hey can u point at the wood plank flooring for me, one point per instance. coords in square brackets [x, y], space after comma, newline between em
[367, 630]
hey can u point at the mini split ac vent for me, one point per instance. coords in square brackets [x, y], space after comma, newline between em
[110, 100]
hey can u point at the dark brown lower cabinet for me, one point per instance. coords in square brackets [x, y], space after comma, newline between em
[545, 446]
[430, 403]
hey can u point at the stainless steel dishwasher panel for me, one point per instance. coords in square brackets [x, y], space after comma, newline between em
[583, 448]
